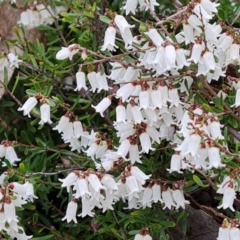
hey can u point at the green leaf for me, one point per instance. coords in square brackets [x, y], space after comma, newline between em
[33, 60]
[22, 168]
[40, 142]
[167, 224]
[7, 104]
[15, 83]
[222, 14]
[29, 206]
[198, 181]
[5, 78]
[37, 87]
[43, 238]
[25, 137]
[183, 215]
[105, 19]
[31, 92]
[207, 107]
[133, 232]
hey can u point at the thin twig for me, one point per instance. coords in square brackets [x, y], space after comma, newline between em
[11, 94]
[47, 174]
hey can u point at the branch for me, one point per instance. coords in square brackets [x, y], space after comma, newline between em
[47, 174]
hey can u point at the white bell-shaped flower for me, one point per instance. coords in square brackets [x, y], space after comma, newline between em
[209, 6]
[179, 199]
[193, 144]
[106, 203]
[92, 149]
[103, 105]
[175, 164]
[209, 61]
[138, 237]
[95, 182]
[45, 114]
[196, 52]
[167, 198]
[2, 151]
[139, 174]
[127, 37]
[63, 123]
[109, 39]
[132, 186]
[122, 23]
[125, 91]
[214, 158]
[109, 182]
[156, 98]
[225, 43]
[145, 142]
[81, 187]
[147, 237]
[124, 147]
[228, 197]
[234, 52]
[195, 22]
[223, 185]
[29, 194]
[130, 74]
[71, 212]
[69, 180]
[147, 197]
[164, 93]
[144, 99]
[153, 133]
[134, 154]
[102, 82]
[11, 155]
[86, 208]
[92, 78]
[130, 6]
[224, 233]
[68, 132]
[188, 33]
[67, 52]
[237, 99]
[155, 37]
[81, 81]
[201, 12]
[170, 54]
[174, 97]
[136, 114]
[234, 233]
[181, 58]
[120, 114]
[215, 130]
[77, 129]
[28, 106]
[117, 71]
[157, 193]
[10, 211]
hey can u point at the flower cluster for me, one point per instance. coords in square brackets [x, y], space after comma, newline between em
[154, 102]
[229, 231]
[95, 190]
[100, 190]
[12, 196]
[7, 151]
[39, 14]
[44, 108]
